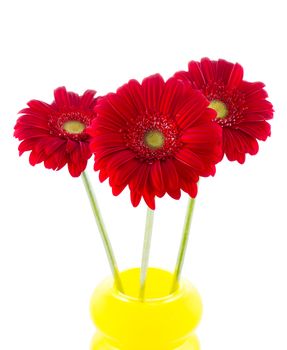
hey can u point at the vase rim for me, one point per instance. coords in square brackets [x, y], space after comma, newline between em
[158, 299]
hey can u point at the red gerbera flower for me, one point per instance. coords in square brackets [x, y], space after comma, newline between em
[56, 133]
[157, 137]
[241, 106]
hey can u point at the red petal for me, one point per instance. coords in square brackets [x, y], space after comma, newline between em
[118, 189]
[103, 175]
[196, 75]
[39, 106]
[208, 70]
[137, 184]
[135, 198]
[120, 159]
[56, 157]
[157, 178]
[134, 91]
[36, 157]
[32, 121]
[170, 178]
[236, 144]
[61, 98]
[224, 69]
[251, 88]
[191, 159]
[259, 106]
[152, 89]
[169, 98]
[185, 76]
[74, 99]
[124, 173]
[120, 107]
[235, 77]
[27, 145]
[192, 110]
[150, 201]
[88, 100]
[259, 130]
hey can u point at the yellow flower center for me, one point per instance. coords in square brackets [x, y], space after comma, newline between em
[74, 127]
[154, 139]
[219, 107]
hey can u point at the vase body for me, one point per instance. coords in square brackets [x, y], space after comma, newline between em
[162, 321]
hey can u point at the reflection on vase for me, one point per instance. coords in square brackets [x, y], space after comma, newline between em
[163, 321]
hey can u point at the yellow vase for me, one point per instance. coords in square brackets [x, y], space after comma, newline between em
[163, 321]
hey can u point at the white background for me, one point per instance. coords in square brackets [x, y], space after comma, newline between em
[51, 256]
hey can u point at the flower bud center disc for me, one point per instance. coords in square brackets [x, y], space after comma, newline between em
[74, 127]
[154, 139]
[220, 108]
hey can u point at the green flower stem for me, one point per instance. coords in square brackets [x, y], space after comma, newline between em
[183, 244]
[103, 232]
[146, 252]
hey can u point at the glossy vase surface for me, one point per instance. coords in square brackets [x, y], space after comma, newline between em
[162, 321]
